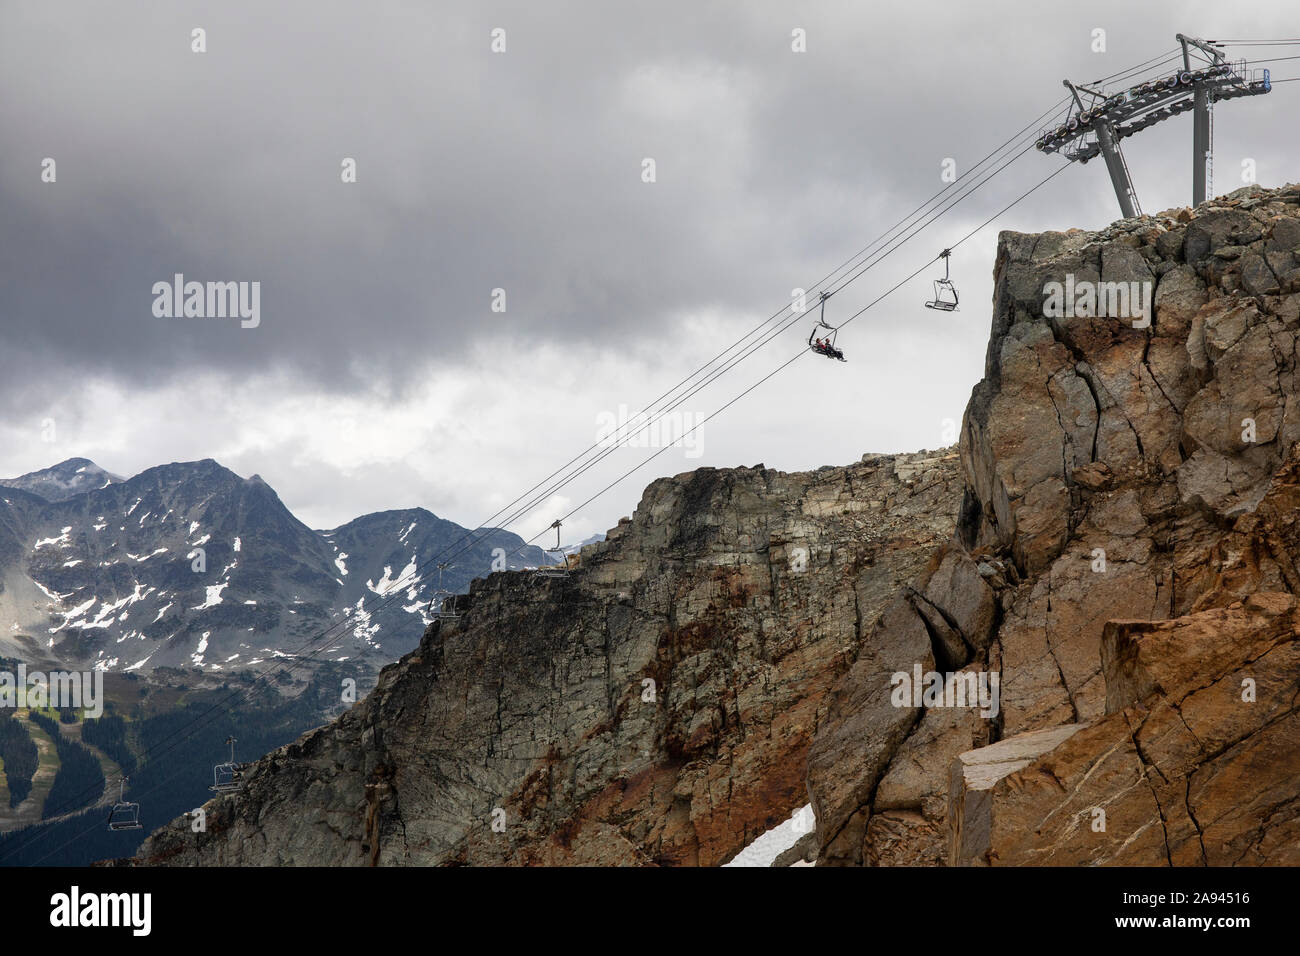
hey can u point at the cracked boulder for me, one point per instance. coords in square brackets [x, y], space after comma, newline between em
[1194, 763]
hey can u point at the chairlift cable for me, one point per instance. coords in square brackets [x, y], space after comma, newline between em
[1272, 59]
[800, 354]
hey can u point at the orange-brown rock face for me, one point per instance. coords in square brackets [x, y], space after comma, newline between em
[1195, 763]
[1132, 494]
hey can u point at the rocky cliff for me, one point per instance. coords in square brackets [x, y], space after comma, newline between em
[656, 706]
[1130, 510]
[1103, 585]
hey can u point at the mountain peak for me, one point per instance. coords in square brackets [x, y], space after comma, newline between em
[71, 477]
[186, 469]
[71, 464]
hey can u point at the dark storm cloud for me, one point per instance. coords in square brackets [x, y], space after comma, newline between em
[519, 170]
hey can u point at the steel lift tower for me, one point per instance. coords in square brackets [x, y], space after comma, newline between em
[1109, 117]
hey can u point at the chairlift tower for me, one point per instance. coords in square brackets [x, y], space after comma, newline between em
[1109, 117]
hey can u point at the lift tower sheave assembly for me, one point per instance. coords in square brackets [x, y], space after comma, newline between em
[1108, 143]
[1099, 126]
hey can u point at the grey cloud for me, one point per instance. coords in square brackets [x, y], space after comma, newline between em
[522, 171]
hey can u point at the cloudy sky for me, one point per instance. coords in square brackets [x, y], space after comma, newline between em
[380, 376]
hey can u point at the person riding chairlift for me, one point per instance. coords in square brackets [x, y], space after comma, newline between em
[825, 348]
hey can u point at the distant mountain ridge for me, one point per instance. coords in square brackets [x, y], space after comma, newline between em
[188, 564]
[577, 548]
[63, 481]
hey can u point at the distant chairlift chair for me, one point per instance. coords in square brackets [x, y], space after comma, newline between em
[228, 777]
[560, 570]
[945, 293]
[444, 600]
[124, 815]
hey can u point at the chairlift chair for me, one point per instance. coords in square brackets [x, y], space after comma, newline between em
[825, 346]
[124, 815]
[555, 570]
[444, 599]
[945, 293]
[228, 777]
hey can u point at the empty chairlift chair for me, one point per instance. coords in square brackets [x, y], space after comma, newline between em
[228, 777]
[124, 815]
[560, 570]
[945, 293]
[444, 601]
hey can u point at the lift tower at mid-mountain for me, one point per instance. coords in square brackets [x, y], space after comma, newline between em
[1111, 116]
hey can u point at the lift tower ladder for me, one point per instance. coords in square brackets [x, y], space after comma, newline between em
[1098, 127]
[1202, 144]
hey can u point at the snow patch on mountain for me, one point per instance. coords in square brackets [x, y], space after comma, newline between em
[145, 557]
[62, 540]
[387, 582]
[768, 846]
[214, 596]
[54, 597]
[77, 611]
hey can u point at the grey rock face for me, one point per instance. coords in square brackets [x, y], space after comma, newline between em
[656, 707]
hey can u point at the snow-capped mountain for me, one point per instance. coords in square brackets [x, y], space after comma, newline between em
[63, 481]
[190, 565]
[381, 555]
